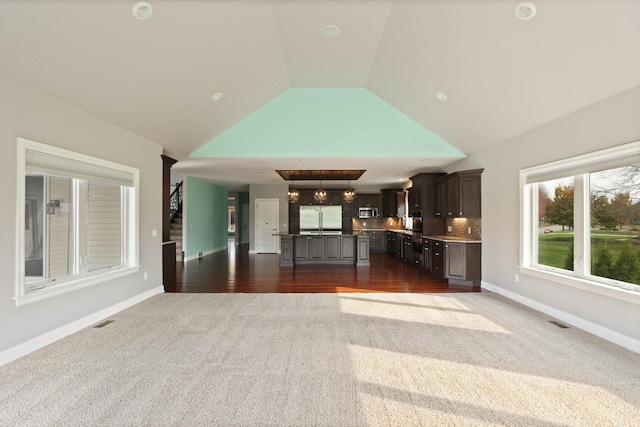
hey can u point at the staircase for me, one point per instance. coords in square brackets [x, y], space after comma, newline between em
[176, 234]
[175, 218]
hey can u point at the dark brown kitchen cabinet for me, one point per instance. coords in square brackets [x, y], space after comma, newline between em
[334, 198]
[349, 209]
[377, 241]
[421, 198]
[469, 187]
[415, 196]
[294, 223]
[368, 200]
[347, 224]
[306, 197]
[390, 203]
[309, 248]
[317, 247]
[463, 263]
[348, 247]
[391, 242]
[426, 254]
[329, 249]
[301, 248]
[407, 252]
[458, 195]
[437, 258]
[332, 247]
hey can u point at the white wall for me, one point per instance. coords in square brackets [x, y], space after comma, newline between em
[268, 191]
[33, 114]
[609, 123]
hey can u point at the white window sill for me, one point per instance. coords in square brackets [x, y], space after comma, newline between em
[73, 285]
[627, 295]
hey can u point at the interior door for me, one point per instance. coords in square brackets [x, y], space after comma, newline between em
[267, 225]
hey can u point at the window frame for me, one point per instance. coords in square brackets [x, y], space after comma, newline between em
[85, 278]
[578, 167]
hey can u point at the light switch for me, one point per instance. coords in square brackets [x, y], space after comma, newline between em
[154, 233]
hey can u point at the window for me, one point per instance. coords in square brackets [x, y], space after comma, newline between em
[581, 219]
[79, 221]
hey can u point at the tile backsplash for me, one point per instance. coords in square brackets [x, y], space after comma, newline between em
[377, 223]
[460, 228]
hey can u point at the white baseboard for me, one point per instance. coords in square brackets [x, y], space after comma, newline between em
[205, 253]
[253, 252]
[593, 328]
[47, 338]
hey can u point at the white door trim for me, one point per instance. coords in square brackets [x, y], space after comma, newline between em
[276, 241]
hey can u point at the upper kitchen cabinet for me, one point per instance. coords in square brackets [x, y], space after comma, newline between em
[390, 203]
[415, 196]
[458, 195]
[368, 200]
[306, 197]
[421, 194]
[334, 197]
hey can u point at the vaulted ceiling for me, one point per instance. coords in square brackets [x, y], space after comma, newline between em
[156, 77]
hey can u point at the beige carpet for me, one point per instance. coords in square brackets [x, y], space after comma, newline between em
[324, 359]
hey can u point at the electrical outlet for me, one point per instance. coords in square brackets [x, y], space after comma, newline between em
[517, 277]
[154, 233]
[364, 224]
[469, 230]
[449, 228]
[145, 276]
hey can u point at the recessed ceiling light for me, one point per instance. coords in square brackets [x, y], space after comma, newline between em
[262, 172]
[297, 160]
[216, 96]
[525, 11]
[400, 179]
[142, 10]
[330, 31]
[441, 96]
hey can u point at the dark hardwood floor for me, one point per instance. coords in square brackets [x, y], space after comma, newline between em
[234, 270]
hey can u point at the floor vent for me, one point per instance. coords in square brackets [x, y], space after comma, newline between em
[558, 324]
[103, 324]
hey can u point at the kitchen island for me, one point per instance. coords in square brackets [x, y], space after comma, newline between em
[324, 249]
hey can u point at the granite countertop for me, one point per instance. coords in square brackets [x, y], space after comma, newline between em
[382, 229]
[355, 233]
[452, 239]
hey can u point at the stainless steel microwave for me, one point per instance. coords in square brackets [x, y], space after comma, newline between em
[367, 212]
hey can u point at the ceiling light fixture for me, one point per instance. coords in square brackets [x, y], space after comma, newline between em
[216, 96]
[142, 10]
[441, 96]
[349, 194]
[293, 195]
[320, 195]
[525, 11]
[330, 31]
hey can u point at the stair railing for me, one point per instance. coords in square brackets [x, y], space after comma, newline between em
[175, 201]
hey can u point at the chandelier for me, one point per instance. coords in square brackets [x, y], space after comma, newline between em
[293, 195]
[349, 194]
[320, 195]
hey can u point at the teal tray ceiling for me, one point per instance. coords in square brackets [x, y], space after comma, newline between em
[320, 122]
